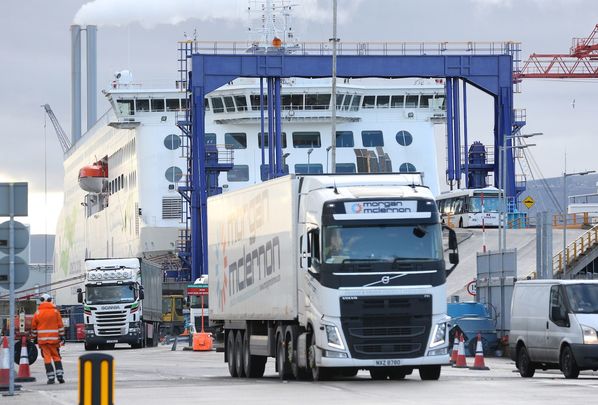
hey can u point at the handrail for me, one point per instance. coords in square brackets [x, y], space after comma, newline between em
[571, 221]
[574, 250]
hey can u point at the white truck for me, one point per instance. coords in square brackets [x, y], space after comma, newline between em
[122, 303]
[330, 274]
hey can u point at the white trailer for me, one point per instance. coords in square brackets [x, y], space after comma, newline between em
[330, 274]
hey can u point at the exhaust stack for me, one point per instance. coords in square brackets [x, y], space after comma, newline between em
[92, 75]
[75, 83]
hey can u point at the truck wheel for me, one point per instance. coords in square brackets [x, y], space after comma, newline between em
[299, 373]
[379, 373]
[230, 353]
[526, 368]
[317, 373]
[568, 364]
[89, 346]
[429, 372]
[254, 366]
[239, 353]
[282, 363]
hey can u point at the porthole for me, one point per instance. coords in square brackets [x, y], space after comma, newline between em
[172, 142]
[407, 168]
[173, 174]
[404, 138]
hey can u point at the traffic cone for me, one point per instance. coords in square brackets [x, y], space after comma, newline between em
[4, 365]
[24, 374]
[461, 361]
[478, 363]
[455, 351]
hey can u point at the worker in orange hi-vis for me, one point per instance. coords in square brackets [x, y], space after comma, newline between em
[48, 332]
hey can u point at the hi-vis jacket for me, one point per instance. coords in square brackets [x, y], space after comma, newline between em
[47, 324]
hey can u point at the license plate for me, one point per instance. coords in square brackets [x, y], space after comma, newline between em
[112, 341]
[387, 363]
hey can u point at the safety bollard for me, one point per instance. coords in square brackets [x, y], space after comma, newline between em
[96, 379]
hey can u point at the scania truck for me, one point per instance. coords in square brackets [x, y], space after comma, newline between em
[122, 303]
[330, 274]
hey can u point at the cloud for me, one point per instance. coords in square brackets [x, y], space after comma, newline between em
[149, 13]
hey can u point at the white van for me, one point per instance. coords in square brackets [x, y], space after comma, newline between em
[553, 325]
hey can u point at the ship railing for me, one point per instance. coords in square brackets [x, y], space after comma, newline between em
[361, 48]
[574, 250]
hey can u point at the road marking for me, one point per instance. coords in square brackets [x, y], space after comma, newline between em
[53, 397]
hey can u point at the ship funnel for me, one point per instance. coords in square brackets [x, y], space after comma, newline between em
[92, 75]
[75, 83]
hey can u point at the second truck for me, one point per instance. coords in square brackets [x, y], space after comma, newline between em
[330, 274]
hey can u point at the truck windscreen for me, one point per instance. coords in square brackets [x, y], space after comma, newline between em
[384, 243]
[583, 298]
[109, 294]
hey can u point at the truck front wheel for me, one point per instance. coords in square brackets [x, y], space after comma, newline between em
[317, 373]
[230, 353]
[282, 363]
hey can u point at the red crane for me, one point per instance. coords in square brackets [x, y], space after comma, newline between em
[580, 63]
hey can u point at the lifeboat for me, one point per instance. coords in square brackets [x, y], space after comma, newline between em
[92, 177]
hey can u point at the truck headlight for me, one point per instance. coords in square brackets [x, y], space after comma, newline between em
[133, 325]
[439, 334]
[589, 335]
[334, 338]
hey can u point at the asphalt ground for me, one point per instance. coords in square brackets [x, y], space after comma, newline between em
[161, 376]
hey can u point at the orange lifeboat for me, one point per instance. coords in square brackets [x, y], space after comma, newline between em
[93, 177]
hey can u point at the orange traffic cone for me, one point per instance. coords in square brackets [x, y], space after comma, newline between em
[24, 374]
[461, 361]
[202, 342]
[478, 363]
[4, 365]
[455, 351]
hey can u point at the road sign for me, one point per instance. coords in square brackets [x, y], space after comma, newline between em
[197, 290]
[529, 202]
[20, 199]
[472, 288]
[21, 272]
[21, 237]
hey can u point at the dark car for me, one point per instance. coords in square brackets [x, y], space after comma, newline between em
[473, 318]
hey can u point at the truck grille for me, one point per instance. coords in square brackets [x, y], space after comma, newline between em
[386, 327]
[111, 323]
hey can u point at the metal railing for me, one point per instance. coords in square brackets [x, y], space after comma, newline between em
[574, 250]
[571, 221]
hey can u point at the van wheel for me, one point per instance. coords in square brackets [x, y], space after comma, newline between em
[429, 372]
[526, 368]
[90, 346]
[461, 223]
[568, 364]
[230, 353]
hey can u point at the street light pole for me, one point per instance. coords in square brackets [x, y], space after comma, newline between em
[308, 156]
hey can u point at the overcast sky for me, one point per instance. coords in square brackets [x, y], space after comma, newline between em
[35, 55]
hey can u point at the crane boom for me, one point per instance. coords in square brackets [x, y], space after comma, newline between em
[65, 143]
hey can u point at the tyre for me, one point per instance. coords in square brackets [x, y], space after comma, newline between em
[524, 363]
[379, 373]
[461, 223]
[254, 366]
[399, 373]
[429, 372]
[317, 373]
[349, 372]
[299, 373]
[230, 353]
[282, 358]
[89, 346]
[239, 353]
[568, 364]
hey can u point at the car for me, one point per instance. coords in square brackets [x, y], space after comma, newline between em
[473, 318]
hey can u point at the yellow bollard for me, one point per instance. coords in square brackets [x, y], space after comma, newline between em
[96, 379]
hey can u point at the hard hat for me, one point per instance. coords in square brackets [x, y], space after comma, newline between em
[45, 298]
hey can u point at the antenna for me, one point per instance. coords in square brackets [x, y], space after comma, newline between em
[270, 19]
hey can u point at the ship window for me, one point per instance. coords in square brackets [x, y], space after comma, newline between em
[404, 138]
[235, 140]
[173, 174]
[210, 139]
[345, 167]
[339, 101]
[142, 105]
[439, 102]
[255, 102]
[158, 104]
[241, 102]
[125, 107]
[264, 171]
[397, 101]
[407, 168]
[172, 104]
[424, 101]
[303, 168]
[238, 173]
[347, 102]
[172, 142]
[369, 101]
[229, 103]
[372, 138]
[411, 102]
[217, 105]
[317, 101]
[184, 103]
[266, 143]
[344, 139]
[382, 101]
[306, 140]
[355, 103]
[292, 101]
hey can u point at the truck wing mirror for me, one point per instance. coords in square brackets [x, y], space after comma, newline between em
[79, 296]
[141, 294]
[453, 246]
